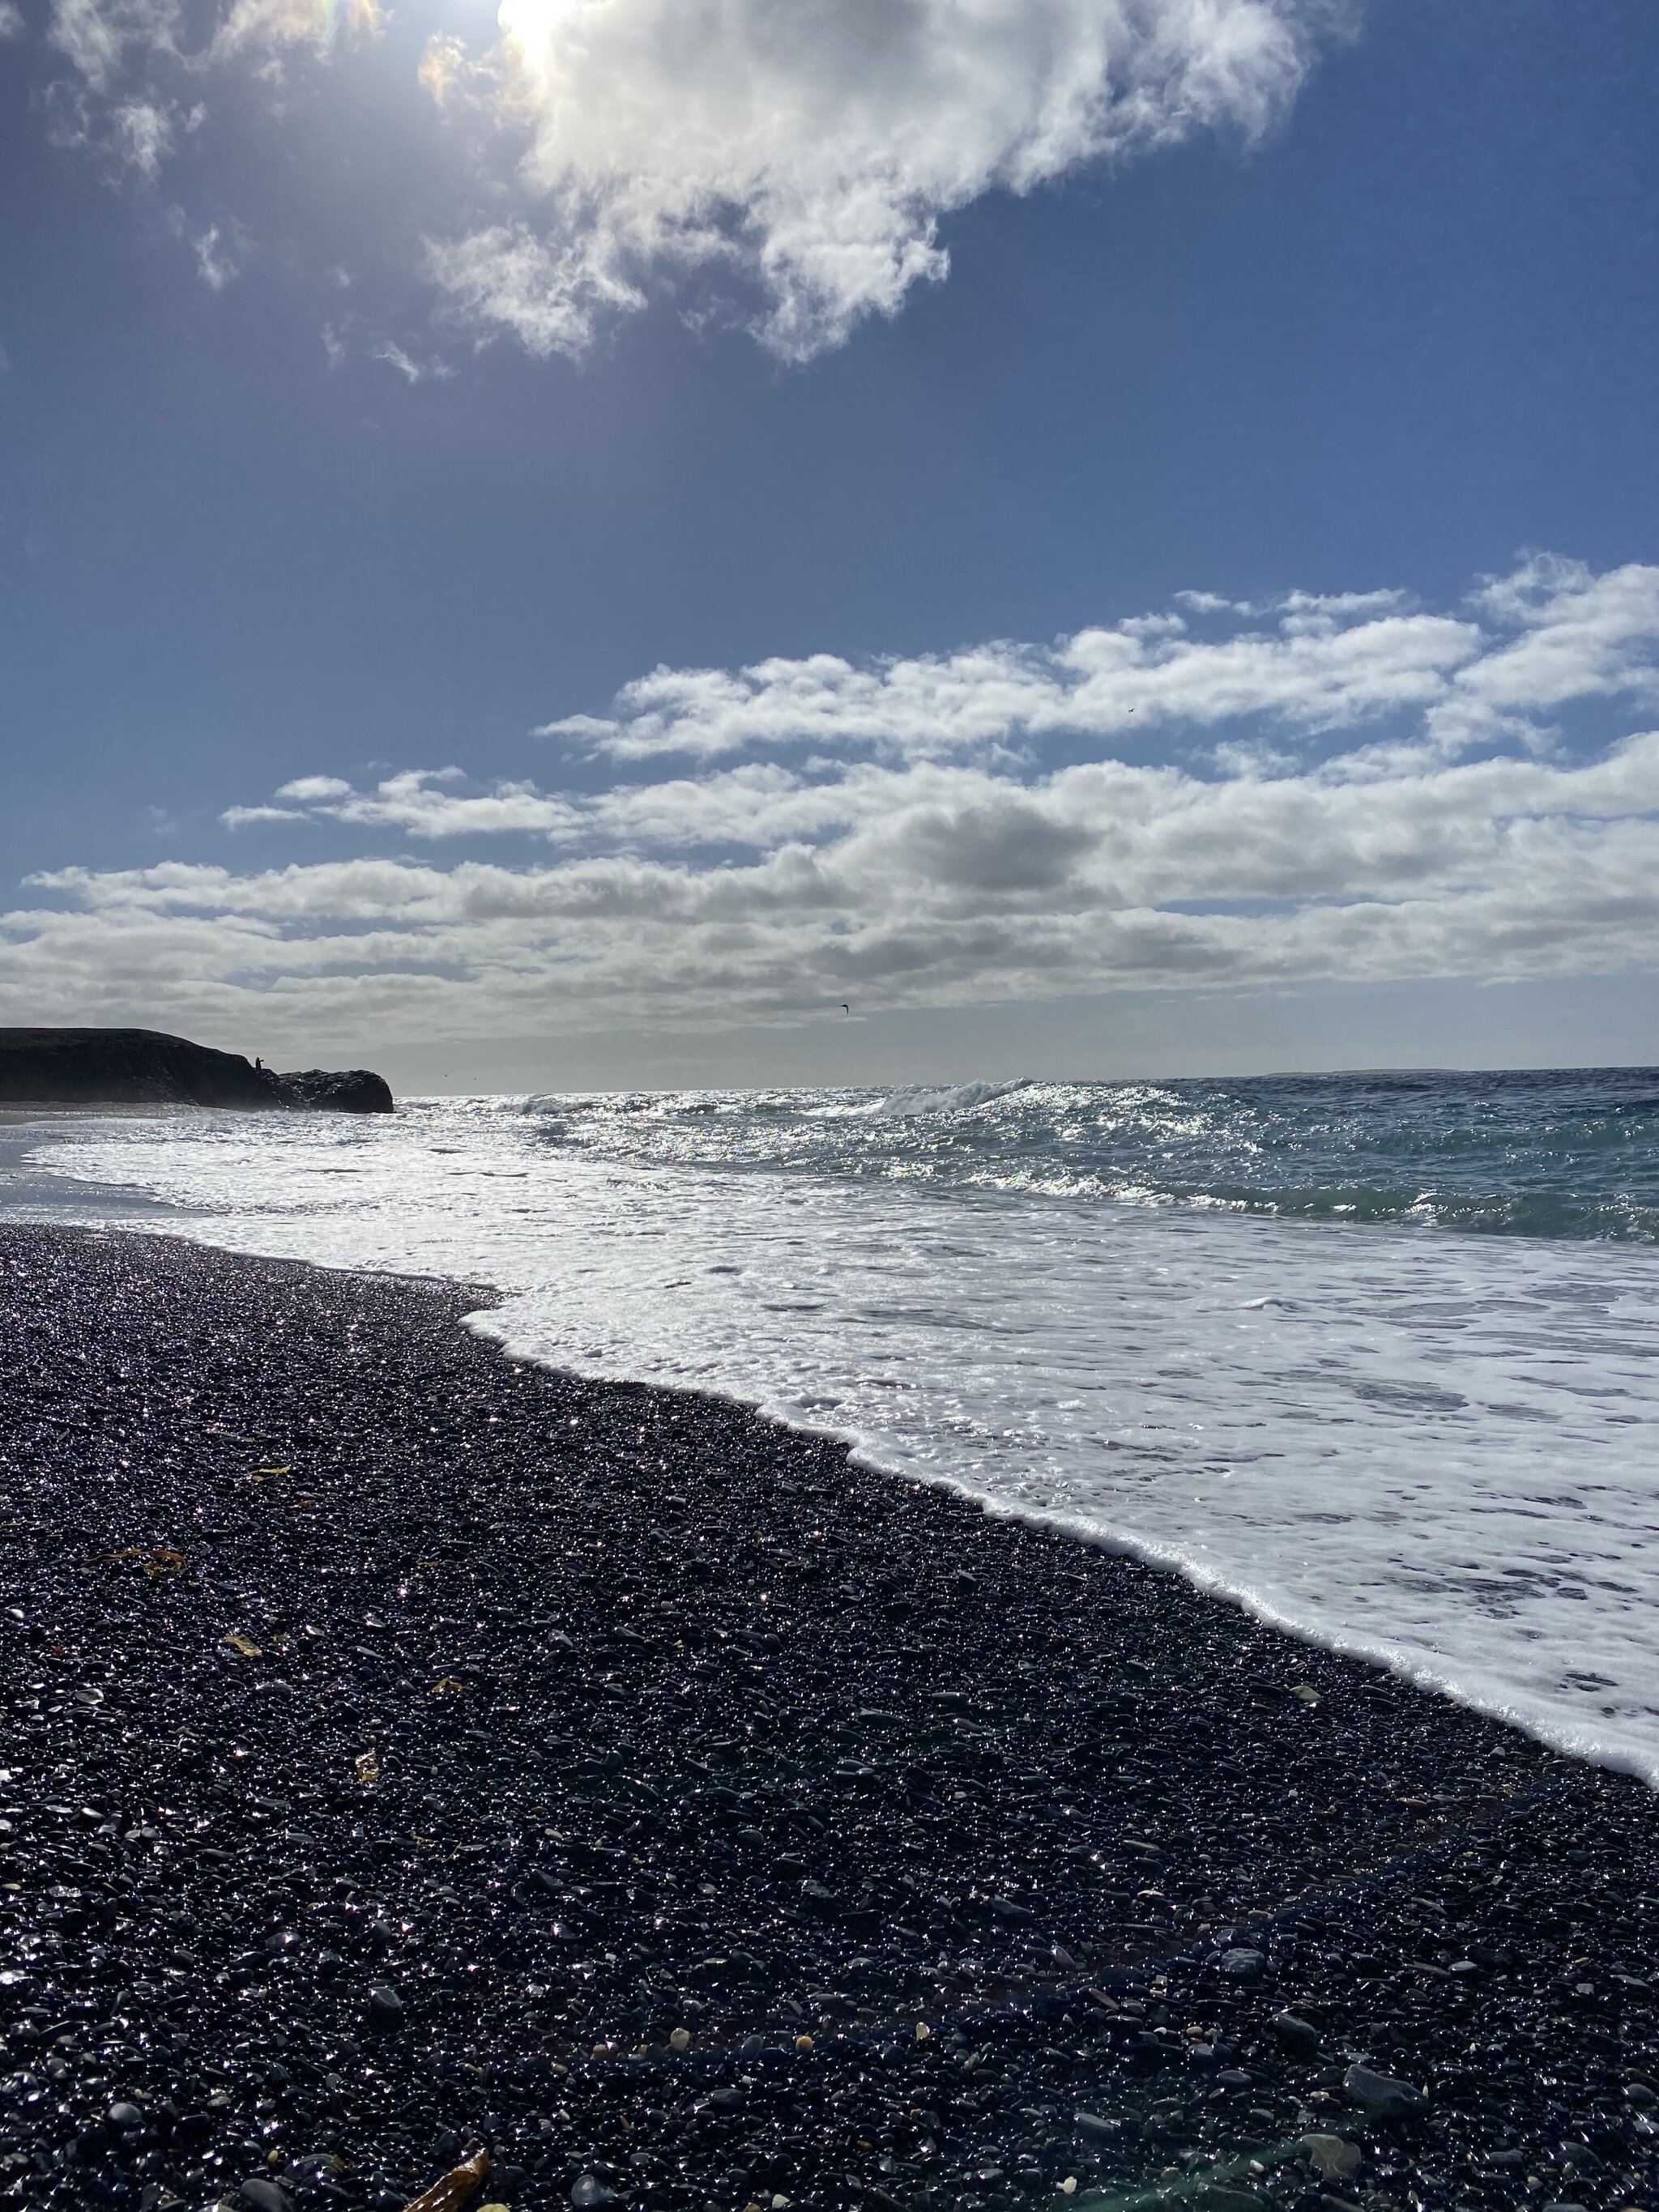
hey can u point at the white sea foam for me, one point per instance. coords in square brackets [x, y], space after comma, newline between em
[953, 1098]
[1433, 1448]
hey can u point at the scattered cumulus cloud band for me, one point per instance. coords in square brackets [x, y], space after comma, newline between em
[1344, 789]
[785, 163]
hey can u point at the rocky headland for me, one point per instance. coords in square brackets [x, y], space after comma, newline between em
[145, 1067]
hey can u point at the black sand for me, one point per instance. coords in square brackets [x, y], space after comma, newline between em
[571, 1720]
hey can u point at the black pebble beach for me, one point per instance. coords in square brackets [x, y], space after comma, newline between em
[406, 1748]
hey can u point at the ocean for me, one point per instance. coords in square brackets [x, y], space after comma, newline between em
[1375, 1355]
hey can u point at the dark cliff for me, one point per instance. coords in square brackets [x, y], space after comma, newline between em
[143, 1068]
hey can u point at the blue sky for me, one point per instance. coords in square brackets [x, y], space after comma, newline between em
[380, 392]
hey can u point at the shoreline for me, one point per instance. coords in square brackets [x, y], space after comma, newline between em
[1472, 1604]
[680, 1724]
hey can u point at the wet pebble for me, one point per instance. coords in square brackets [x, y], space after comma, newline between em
[261, 2194]
[1380, 2095]
[1243, 1965]
[669, 1849]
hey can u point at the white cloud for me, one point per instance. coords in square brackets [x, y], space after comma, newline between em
[217, 255]
[448, 73]
[1580, 635]
[395, 357]
[242, 818]
[272, 23]
[412, 371]
[917, 869]
[308, 789]
[97, 36]
[144, 134]
[1319, 664]
[11, 20]
[413, 802]
[552, 297]
[1209, 603]
[785, 163]
[810, 149]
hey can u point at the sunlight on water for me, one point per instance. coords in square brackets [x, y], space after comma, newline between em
[1533, 1155]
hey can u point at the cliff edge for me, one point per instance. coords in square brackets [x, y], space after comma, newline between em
[145, 1067]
